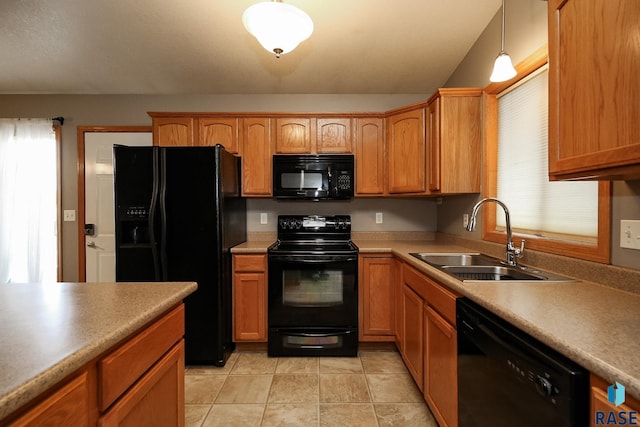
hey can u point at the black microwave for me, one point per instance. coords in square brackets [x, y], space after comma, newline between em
[313, 177]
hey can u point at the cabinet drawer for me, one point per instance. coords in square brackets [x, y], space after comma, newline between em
[249, 263]
[442, 300]
[119, 370]
[156, 400]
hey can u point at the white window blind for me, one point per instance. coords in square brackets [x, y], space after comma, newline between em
[563, 210]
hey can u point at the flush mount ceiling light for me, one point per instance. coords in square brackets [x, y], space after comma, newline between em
[503, 68]
[278, 27]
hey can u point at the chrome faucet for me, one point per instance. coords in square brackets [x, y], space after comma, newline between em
[513, 253]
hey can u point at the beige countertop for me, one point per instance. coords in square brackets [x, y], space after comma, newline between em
[48, 331]
[596, 326]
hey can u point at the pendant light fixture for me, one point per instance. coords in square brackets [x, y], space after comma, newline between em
[278, 27]
[503, 68]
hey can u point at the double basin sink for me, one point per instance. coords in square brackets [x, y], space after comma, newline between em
[476, 266]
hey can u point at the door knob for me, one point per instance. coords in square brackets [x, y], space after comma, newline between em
[92, 245]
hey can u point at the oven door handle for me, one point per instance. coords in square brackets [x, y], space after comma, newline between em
[311, 261]
[324, 334]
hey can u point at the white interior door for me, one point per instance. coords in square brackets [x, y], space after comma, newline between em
[99, 209]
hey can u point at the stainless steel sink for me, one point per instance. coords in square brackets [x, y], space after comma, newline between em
[455, 259]
[476, 266]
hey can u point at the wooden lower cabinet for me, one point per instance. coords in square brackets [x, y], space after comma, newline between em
[441, 368]
[250, 298]
[429, 342]
[376, 297]
[138, 383]
[604, 413]
[151, 401]
[68, 406]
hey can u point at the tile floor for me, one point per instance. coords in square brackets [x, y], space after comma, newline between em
[253, 389]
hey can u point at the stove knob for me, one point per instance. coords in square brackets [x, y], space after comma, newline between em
[297, 224]
[544, 386]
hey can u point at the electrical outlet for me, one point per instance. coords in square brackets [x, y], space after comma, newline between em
[465, 220]
[630, 234]
[69, 215]
[378, 217]
[263, 218]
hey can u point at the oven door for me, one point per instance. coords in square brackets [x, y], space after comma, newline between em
[313, 291]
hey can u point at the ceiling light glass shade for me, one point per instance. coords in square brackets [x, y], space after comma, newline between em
[278, 27]
[502, 69]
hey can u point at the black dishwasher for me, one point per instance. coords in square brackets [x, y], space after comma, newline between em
[507, 378]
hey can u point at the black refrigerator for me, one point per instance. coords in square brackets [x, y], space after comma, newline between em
[178, 212]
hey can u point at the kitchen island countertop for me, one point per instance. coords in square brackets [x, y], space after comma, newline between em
[51, 330]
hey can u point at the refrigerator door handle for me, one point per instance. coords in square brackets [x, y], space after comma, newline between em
[163, 215]
[152, 219]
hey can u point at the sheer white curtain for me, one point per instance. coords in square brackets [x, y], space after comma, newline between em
[28, 210]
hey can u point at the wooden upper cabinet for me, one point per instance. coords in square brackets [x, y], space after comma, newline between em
[594, 126]
[223, 131]
[453, 122]
[333, 135]
[369, 156]
[173, 131]
[294, 135]
[256, 137]
[406, 152]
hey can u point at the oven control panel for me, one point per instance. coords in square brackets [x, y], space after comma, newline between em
[314, 223]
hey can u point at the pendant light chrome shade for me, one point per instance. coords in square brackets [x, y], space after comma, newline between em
[503, 68]
[278, 27]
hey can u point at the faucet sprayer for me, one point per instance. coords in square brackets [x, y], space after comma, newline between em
[512, 253]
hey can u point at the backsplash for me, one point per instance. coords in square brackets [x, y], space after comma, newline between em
[398, 215]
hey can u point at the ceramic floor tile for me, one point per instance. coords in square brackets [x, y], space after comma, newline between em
[343, 388]
[294, 388]
[393, 388]
[404, 415]
[245, 389]
[290, 415]
[195, 414]
[382, 362]
[339, 365]
[234, 416]
[202, 388]
[254, 364]
[205, 369]
[347, 414]
[297, 365]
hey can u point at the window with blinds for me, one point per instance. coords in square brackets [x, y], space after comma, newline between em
[563, 210]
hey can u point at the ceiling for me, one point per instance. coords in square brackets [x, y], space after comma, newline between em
[202, 47]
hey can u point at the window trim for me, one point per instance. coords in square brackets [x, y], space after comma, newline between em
[598, 253]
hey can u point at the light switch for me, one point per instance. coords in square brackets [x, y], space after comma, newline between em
[630, 234]
[69, 215]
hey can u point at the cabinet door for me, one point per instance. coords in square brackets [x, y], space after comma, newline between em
[369, 156]
[413, 335]
[256, 157]
[293, 135]
[173, 131]
[249, 307]
[334, 136]
[156, 400]
[223, 131]
[453, 141]
[441, 368]
[406, 152]
[594, 89]
[377, 298]
[68, 406]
